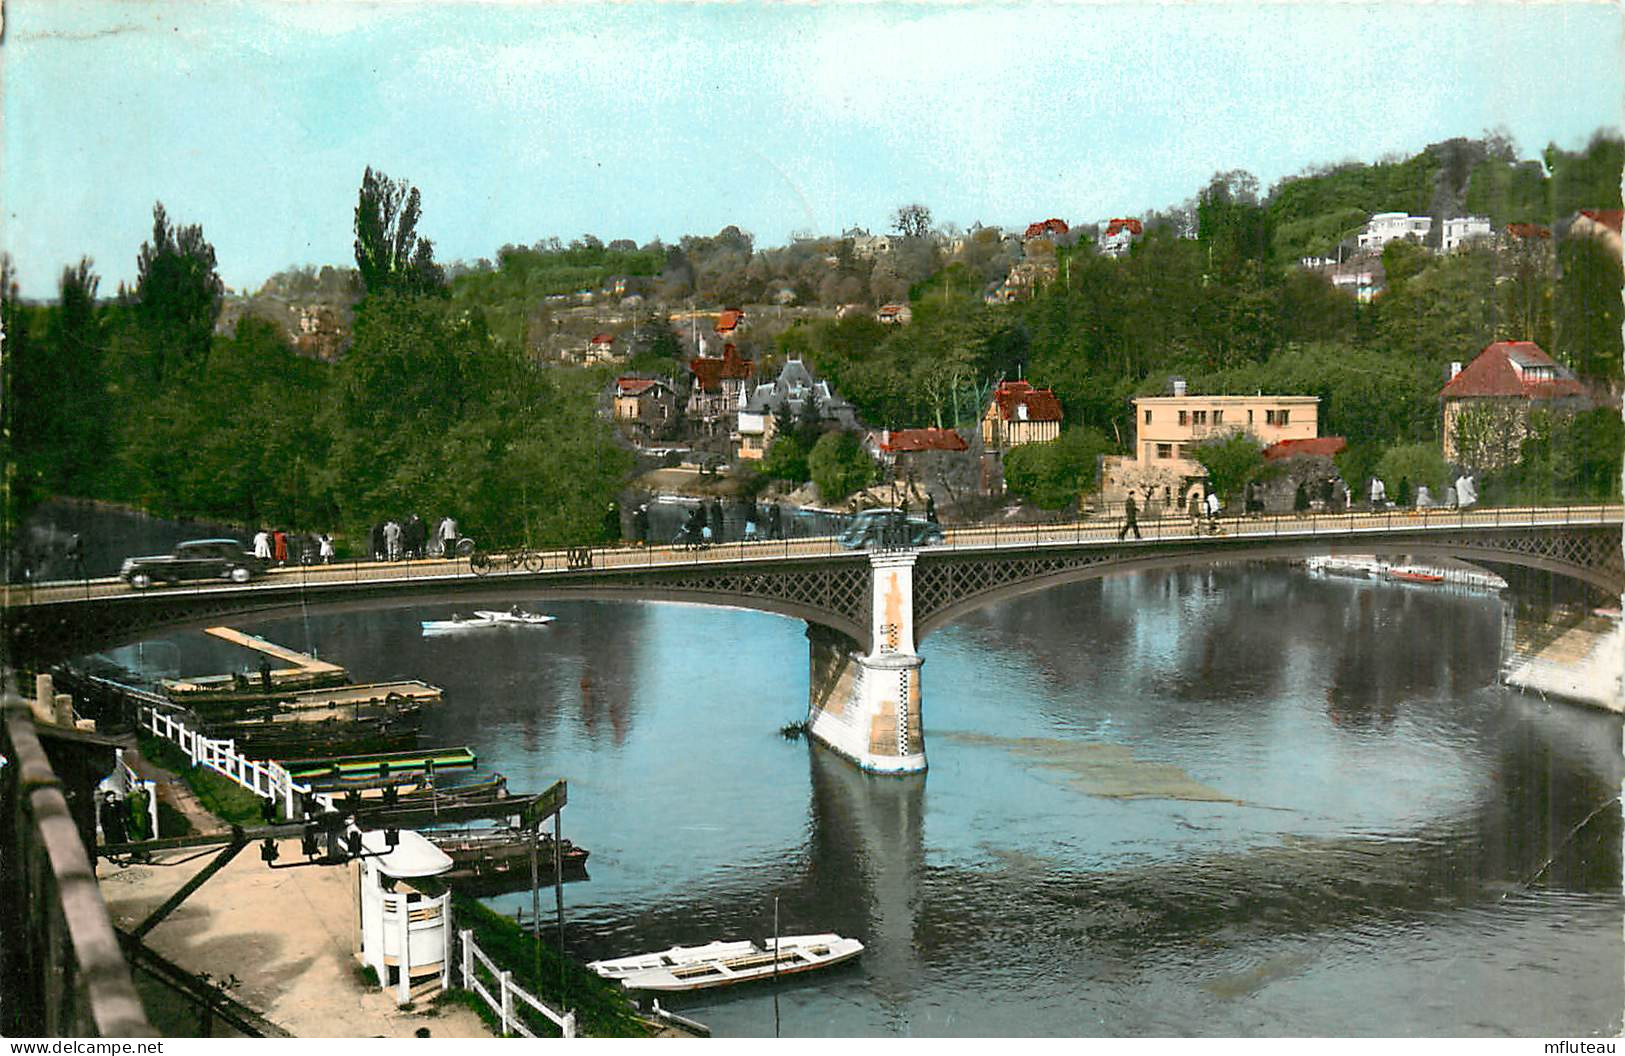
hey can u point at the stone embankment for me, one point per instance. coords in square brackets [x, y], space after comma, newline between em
[1579, 658]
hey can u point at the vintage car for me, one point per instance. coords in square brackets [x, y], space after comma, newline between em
[888, 529]
[194, 559]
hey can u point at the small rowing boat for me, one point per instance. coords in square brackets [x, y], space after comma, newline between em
[726, 963]
[1408, 574]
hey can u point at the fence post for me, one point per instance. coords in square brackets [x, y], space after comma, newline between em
[569, 1024]
[445, 954]
[507, 1002]
[467, 937]
[403, 992]
[151, 789]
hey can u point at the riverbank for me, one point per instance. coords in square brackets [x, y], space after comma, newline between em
[1578, 658]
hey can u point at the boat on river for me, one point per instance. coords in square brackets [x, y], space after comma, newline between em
[514, 617]
[486, 618]
[1411, 574]
[493, 855]
[727, 963]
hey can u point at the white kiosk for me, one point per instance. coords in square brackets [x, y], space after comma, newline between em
[405, 926]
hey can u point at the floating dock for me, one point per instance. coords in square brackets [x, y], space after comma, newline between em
[304, 672]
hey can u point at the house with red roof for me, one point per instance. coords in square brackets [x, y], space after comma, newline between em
[730, 322]
[1601, 224]
[719, 387]
[1487, 403]
[1020, 414]
[645, 408]
[1119, 235]
[600, 349]
[1052, 229]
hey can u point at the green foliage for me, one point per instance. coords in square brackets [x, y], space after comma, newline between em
[1420, 463]
[1231, 460]
[1053, 475]
[839, 465]
[602, 1009]
[1587, 309]
[1564, 458]
[1509, 192]
[177, 296]
[786, 459]
[390, 255]
[1588, 179]
[219, 795]
[1314, 211]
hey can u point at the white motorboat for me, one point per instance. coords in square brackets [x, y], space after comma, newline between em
[456, 623]
[1339, 565]
[726, 963]
[516, 617]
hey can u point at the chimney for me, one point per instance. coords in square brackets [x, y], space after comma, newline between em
[1179, 386]
[1455, 368]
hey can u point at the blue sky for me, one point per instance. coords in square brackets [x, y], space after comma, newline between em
[523, 120]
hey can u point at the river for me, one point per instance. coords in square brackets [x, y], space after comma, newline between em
[1239, 801]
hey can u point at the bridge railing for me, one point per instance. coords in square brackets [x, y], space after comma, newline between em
[65, 973]
[1106, 525]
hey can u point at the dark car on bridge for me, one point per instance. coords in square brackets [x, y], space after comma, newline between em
[888, 528]
[195, 559]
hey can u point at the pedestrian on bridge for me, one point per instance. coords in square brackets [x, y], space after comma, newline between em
[1213, 511]
[775, 527]
[326, 546]
[279, 546]
[447, 533]
[262, 544]
[76, 556]
[1379, 494]
[378, 543]
[1129, 522]
[392, 540]
[640, 525]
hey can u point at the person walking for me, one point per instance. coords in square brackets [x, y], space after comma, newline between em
[1213, 507]
[326, 547]
[392, 540]
[1466, 491]
[262, 544]
[378, 544]
[930, 508]
[1130, 511]
[716, 521]
[1379, 494]
[279, 546]
[1196, 511]
[114, 819]
[448, 537]
[640, 525]
[775, 526]
[414, 536]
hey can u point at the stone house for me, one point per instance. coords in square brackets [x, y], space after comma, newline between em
[1487, 403]
[755, 425]
[645, 408]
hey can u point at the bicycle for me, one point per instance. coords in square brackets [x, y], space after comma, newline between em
[462, 547]
[687, 540]
[523, 559]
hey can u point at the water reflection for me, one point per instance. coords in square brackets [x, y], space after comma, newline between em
[1238, 801]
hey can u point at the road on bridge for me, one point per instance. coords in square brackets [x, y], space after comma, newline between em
[978, 538]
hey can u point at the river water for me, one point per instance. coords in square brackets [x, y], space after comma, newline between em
[1240, 801]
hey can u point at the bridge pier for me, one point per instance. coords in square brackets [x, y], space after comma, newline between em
[867, 707]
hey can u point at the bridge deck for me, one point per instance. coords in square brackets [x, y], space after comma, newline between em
[1345, 528]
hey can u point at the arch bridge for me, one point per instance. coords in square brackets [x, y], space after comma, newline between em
[865, 610]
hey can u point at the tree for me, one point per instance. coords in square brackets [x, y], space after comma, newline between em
[1587, 309]
[1231, 460]
[177, 294]
[1054, 474]
[839, 466]
[389, 252]
[1420, 463]
[912, 220]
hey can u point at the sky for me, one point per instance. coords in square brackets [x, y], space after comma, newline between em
[519, 121]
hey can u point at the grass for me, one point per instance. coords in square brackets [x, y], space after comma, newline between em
[602, 1010]
[219, 795]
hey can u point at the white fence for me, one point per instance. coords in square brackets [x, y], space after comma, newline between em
[502, 1002]
[268, 780]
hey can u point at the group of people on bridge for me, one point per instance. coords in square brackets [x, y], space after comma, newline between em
[410, 539]
[277, 546]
